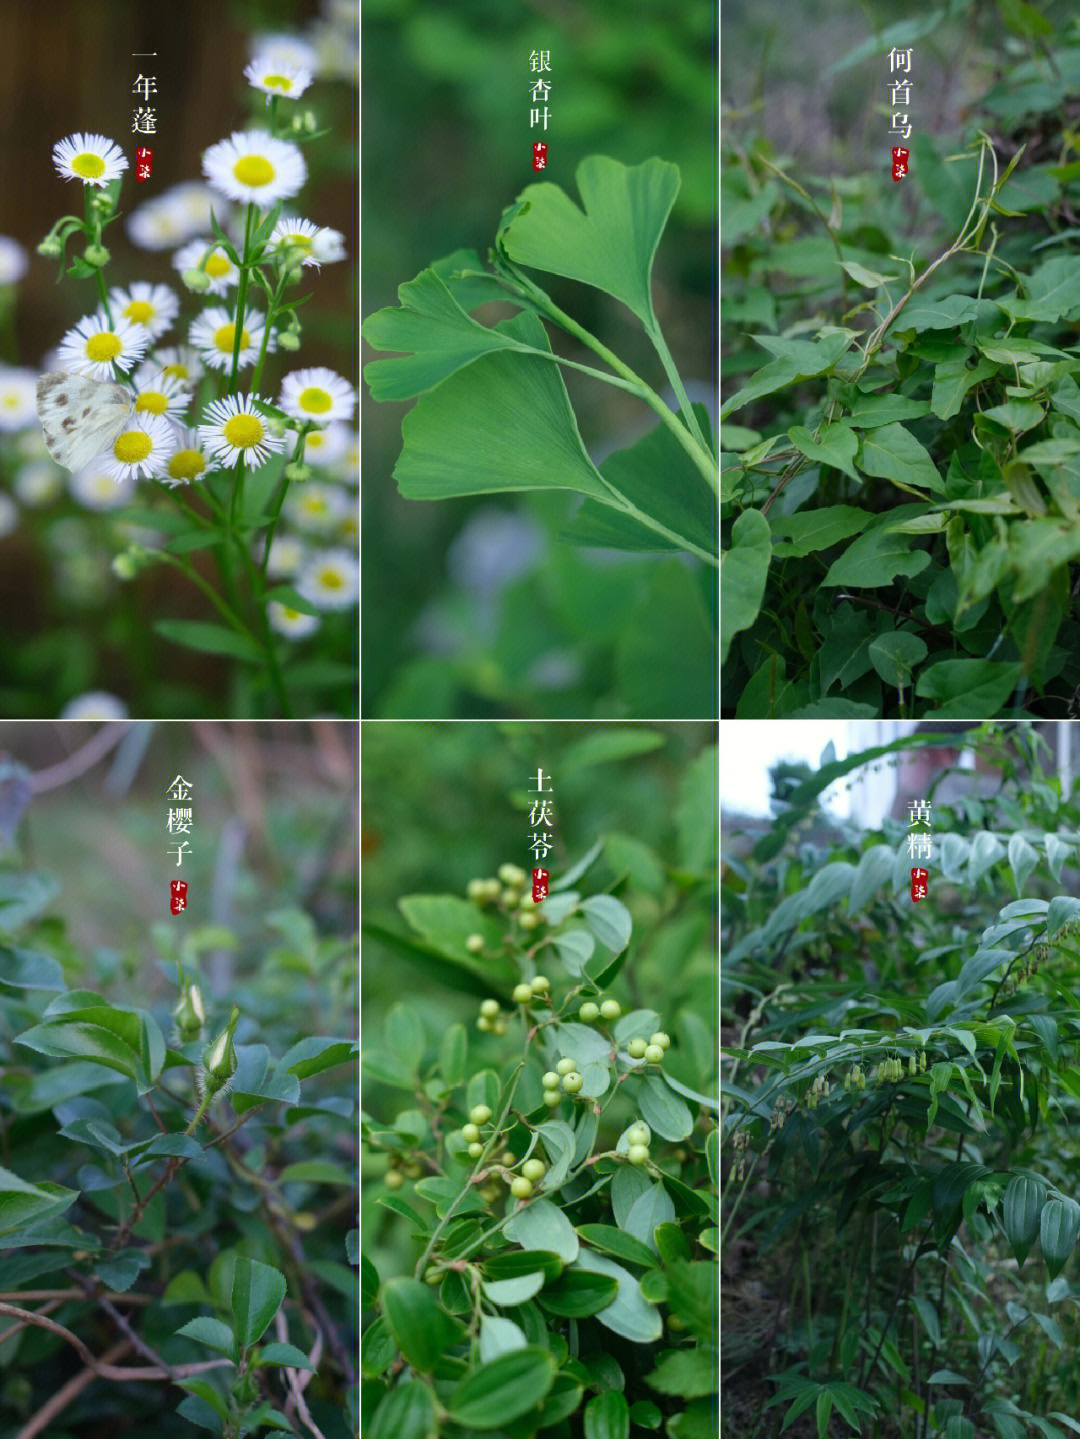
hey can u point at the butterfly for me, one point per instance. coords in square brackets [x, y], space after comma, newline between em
[80, 417]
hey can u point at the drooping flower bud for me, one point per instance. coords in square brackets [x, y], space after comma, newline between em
[189, 1013]
[219, 1058]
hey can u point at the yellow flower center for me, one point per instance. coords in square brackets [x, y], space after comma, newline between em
[177, 371]
[277, 82]
[217, 266]
[88, 166]
[299, 242]
[315, 441]
[243, 431]
[253, 170]
[11, 402]
[330, 579]
[314, 505]
[316, 400]
[103, 347]
[132, 446]
[186, 465]
[139, 311]
[289, 614]
[154, 403]
[224, 337]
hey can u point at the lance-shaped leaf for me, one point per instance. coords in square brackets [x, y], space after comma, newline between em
[1020, 1214]
[1058, 1227]
[502, 423]
[743, 573]
[612, 242]
[436, 335]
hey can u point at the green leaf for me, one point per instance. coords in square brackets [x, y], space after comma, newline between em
[542, 1225]
[575, 947]
[422, 1329]
[802, 360]
[213, 1333]
[433, 333]
[316, 1054]
[967, 686]
[405, 1036]
[693, 1294]
[895, 654]
[506, 1292]
[499, 1336]
[504, 423]
[446, 922]
[257, 1293]
[626, 1185]
[406, 1412]
[696, 818]
[452, 1054]
[285, 1354]
[689, 1372]
[208, 1394]
[1053, 292]
[610, 244]
[628, 1314]
[952, 380]
[121, 1271]
[893, 453]
[122, 1039]
[607, 1416]
[875, 559]
[619, 1242]
[944, 314]
[496, 1393]
[835, 446]
[744, 569]
[801, 534]
[648, 1210]
[903, 33]
[22, 1204]
[579, 1293]
[210, 639]
[1059, 1224]
[609, 920]
[1039, 546]
[1022, 860]
[869, 411]
[663, 1111]
[316, 1171]
[658, 678]
[558, 1140]
[1020, 1213]
[23, 969]
[683, 504]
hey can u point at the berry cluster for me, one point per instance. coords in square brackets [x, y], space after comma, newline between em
[565, 1079]
[637, 1138]
[508, 892]
[652, 1052]
[478, 1115]
[589, 1012]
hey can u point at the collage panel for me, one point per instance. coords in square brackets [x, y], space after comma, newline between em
[899, 1047]
[179, 455]
[539, 1155]
[539, 293]
[178, 1079]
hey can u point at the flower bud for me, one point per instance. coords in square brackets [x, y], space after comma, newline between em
[219, 1058]
[197, 281]
[297, 471]
[189, 1013]
[96, 255]
[288, 339]
[50, 247]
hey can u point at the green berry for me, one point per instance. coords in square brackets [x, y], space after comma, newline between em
[661, 1039]
[533, 1169]
[475, 1150]
[528, 919]
[611, 1009]
[588, 1012]
[480, 1114]
[522, 994]
[476, 889]
[521, 1187]
[492, 889]
[490, 1007]
[552, 1097]
[540, 985]
[653, 1054]
[475, 944]
[636, 1049]
[413, 1171]
[509, 898]
[550, 1080]
[470, 1133]
[498, 1026]
[508, 1157]
[638, 1134]
[571, 1082]
[483, 1023]
[511, 875]
[392, 1179]
[638, 1154]
[566, 1066]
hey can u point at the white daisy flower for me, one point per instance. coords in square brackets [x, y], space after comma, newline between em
[214, 332]
[326, 447]
[93, 346]
[273, 77]
[157, 393]
[154, 307]
[18, 398]
[314, 506]
[287, 50]
[179, 362]
[287, 554]
[331, 581]
[179, 214]
[9, 515]
[94, 489]
[338, 50]
[348, 471]
[312, 244]
[13, 261]
[141, 451]
[254, 168]
[93, 159]
[292, 623]
[348, 532]
[95, 705]
[39, 484]
[219, 270]
[234, 430]
[188, 461]
[317, 394]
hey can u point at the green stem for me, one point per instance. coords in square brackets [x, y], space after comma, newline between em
[211, 594]
[255, 579]
[241, 296]
[675, 380]
[205, 1103]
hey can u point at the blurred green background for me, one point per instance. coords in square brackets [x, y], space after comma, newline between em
[469, 608]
